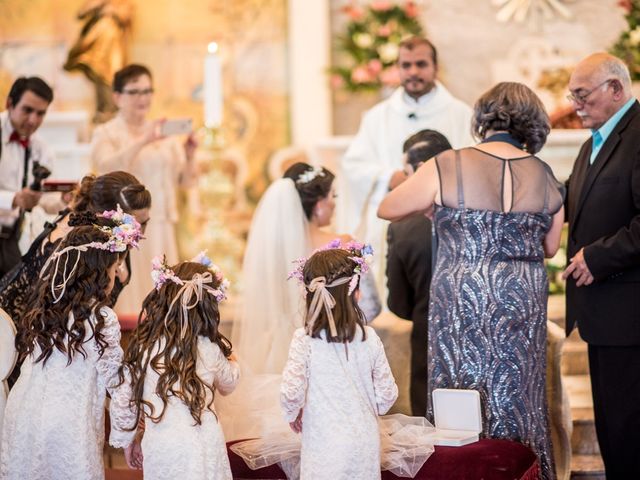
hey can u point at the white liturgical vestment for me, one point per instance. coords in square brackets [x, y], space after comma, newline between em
[376, 152]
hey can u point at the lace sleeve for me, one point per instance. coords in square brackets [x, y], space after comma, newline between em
[295, 377]
[121, 411]
[384, 385]
[226, 372]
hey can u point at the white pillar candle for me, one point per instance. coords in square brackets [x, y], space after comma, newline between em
[212, 87]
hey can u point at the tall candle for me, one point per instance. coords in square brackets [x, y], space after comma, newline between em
[212, 87]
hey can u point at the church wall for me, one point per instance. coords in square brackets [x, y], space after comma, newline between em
[475, 50]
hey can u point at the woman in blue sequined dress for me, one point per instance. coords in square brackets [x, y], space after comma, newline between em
[497, 212]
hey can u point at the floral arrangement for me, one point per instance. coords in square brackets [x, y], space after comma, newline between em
[628, 45]
[370, 44]
[125, 234]
[361, 254]
[162, 273]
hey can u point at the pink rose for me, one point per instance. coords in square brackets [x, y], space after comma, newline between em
[411, 9]
[374, 66]
[354, 12]
[384, 30]
[360, 75]
[381, 5]
[390, 76]
[336, 82]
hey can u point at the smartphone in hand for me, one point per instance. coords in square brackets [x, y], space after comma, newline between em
[176, 126]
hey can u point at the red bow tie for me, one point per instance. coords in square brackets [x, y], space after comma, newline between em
[24, 141]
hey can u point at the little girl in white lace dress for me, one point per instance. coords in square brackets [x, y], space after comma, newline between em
[337, 378]
[175, 362]
[54, 419]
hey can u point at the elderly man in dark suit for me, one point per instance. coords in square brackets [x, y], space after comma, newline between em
[409, 268]
[603, 275]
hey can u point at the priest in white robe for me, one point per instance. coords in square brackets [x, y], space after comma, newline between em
[374, 159]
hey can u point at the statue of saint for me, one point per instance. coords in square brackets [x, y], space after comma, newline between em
[101, 48]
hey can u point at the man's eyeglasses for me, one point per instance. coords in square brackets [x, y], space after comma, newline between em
[134, 92]
[580, 98]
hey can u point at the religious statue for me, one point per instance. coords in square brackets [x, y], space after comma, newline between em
[101, 48]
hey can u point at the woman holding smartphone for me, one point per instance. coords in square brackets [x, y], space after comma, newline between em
[134, 143]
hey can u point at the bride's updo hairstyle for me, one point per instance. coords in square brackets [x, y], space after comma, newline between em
[512, 107]
[312, 183]
[106, 192]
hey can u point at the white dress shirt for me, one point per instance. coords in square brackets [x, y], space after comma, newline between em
[12, 168]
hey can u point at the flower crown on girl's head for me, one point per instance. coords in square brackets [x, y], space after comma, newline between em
[126, 233]
[361, 254]
[162, 273]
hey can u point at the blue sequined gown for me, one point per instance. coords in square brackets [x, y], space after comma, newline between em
[487, 316]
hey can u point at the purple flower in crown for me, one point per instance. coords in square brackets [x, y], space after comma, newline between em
[362, 255]
[127, 232]
[161, 273]
[219, 293]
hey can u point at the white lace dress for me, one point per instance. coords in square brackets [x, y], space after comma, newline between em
[342, 391]
[176, 447]
[54, 419]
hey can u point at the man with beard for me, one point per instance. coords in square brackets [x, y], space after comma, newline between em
[373, 163]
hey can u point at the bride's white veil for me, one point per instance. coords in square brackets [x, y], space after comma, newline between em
[271, 306]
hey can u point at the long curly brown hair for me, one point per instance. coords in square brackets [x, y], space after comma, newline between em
[333, 264]
[46, 325]
[170, 352]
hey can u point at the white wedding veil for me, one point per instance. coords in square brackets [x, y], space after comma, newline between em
[271, 306]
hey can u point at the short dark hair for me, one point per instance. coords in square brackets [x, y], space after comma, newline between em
[513, 107]
[414, 41]
[128, 74]
[32, 84]
[423, 145]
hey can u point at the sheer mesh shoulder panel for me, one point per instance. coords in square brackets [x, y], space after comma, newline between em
[482, 181]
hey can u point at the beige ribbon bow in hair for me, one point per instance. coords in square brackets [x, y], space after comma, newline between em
[323, 298]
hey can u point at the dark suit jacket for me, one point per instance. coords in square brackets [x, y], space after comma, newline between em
[603, 209]
[409, 267]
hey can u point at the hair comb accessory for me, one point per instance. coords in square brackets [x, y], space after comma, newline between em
[125, 234]
[310, 175]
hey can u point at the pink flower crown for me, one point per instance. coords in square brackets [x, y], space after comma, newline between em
[361, 254]
[127, 232]
[162, 273]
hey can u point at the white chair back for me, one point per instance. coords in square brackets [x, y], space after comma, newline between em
[8, 357]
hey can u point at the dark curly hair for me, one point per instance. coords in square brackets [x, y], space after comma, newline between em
[46, 324]
[515, 108]
[313, 191]
[333, 264]
[106, 192]
[176, 357]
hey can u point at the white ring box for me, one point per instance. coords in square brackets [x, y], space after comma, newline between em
[457, 416]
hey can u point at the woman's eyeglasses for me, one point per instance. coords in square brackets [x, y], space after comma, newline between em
[134, 92]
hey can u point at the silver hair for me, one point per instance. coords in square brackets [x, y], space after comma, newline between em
[614, 67]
